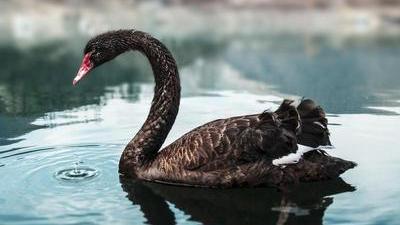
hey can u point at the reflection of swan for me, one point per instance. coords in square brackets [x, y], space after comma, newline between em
[305, 204]
[237, 151]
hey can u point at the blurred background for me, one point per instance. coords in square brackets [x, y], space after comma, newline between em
[234, 56]
[344, 53]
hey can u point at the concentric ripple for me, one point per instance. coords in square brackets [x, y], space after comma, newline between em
[76, 174]
[62, 183]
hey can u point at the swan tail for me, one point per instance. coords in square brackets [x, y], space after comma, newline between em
[314, 125]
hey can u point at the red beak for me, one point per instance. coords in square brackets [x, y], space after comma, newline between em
[84, 70]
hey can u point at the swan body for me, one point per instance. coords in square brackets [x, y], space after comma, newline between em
[245, 150]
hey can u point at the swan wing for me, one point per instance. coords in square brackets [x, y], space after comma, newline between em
[227, 143]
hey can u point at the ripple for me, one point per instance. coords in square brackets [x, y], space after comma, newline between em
[11, 150]
[62, 182]
[41, 168]
[24, 152]
[76, 174]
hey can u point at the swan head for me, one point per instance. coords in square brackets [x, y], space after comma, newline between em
[102, 49]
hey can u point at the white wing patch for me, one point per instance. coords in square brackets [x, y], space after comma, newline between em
[293, 158]
[320, 124]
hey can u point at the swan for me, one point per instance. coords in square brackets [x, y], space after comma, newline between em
[240, 151]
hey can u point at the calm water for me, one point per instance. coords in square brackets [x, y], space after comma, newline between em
[47, 126]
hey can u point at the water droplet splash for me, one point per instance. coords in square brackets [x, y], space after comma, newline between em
[76, 173]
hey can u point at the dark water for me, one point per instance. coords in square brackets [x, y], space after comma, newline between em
[46, 126]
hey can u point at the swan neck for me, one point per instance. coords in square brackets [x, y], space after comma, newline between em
[146, 143]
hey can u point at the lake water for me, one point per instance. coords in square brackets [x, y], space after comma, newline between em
[46, 126]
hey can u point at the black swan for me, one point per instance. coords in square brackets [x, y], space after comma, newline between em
[238, 151]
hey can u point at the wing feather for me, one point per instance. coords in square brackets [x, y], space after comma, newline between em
[227, 143]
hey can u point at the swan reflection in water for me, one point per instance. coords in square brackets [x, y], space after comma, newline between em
[303, 204]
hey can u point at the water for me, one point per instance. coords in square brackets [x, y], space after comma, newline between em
[60, 145]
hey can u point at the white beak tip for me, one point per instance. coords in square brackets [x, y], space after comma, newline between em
[75, 81]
